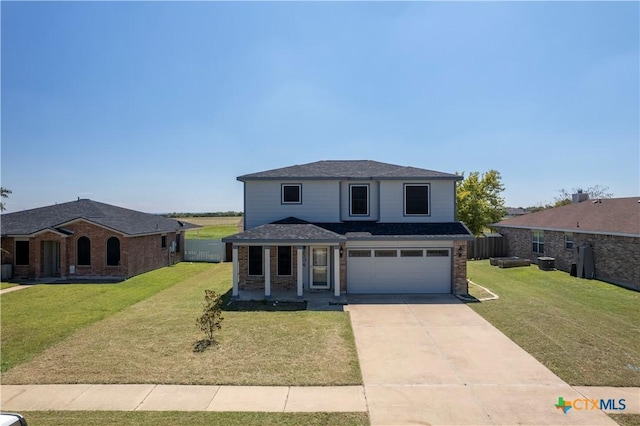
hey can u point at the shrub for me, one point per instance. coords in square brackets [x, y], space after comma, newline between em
[211, 317]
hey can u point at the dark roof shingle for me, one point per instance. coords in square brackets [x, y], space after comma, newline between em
[614, 216]
[129, 222]
[348, 169]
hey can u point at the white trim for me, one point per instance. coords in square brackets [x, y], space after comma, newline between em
[282, 201]
[312, 265]
[234, 256]
[267, 271]
[351, 186]
[299, 272]
[336, 271]
[404, 200]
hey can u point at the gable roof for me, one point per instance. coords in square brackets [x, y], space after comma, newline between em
[55, 217]
[610, 216]
[348, 169]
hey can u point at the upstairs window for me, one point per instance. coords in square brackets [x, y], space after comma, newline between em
[416, 199]
[291, 194]
[359, 195]
[84, 251]
[568, 240]
[22, 252]
[538, 242]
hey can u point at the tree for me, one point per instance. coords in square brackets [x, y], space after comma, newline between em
[211, 317]
[479, 200]
[4, 193]
[595, 192]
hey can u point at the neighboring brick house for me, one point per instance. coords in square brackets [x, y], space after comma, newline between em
[350, 227]
[611, 226]
[85, 238]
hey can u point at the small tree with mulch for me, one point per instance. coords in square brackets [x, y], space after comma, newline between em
[210, 320]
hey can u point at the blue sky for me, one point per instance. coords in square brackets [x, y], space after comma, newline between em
[158, 106]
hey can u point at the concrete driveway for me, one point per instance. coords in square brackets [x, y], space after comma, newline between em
[432, 360]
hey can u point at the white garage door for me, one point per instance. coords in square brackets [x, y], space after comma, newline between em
[398, 271]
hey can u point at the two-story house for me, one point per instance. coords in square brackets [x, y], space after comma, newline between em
[362, 227]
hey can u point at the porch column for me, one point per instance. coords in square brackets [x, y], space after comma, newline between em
[267, 272]
[234, 257]
[300, 273]
[336, 271]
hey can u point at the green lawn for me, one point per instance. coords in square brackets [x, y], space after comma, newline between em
[152, 342]
[585, 331]
[6, 285]
[171, 418]
[39, 317]
[213, 228]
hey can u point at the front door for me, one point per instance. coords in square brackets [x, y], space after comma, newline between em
[51, 259]
[320, 267]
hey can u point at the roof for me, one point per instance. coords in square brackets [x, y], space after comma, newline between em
[55, 217]
[610, 216]
[349, 169]
[296, 230]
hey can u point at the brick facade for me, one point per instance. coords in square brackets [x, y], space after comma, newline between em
[256, 282]
[137, 254]
[615, 257]
[460, 285]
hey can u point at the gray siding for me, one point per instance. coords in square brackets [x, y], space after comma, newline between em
[320, 202]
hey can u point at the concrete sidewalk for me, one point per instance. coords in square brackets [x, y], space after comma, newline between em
[433, 360]
[15, 288]
[183, 398]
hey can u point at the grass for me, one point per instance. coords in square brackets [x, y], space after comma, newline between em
[585, 331]
[6, 285]
[194, 418]
[214, 228]
[153, 341]
[626, 419]
[37, 318]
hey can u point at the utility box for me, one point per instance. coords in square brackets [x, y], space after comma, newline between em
[547, 263]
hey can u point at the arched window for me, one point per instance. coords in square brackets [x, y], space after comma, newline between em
[84, 251]
[113, 251]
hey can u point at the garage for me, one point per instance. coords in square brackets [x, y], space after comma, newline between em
[402, 270]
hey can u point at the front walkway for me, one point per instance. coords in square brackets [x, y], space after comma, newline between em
[432, 360]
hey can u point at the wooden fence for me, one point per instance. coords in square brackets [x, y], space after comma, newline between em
[213, 251]
[486, 247]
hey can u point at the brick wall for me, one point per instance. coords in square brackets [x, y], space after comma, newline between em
[615, 257]
[460, 285]
[278, 282]
[137, 254]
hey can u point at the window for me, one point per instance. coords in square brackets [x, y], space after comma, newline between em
[255, 260]
[359, 195]
[113, 251]
[163, 241]
[538, 242]
[359, 253]
[177, 243]
[410, 253]
[291, 194]
[284, 260]
[416, 199]
[84, 251]
[22, 252]
[568, 240]
[386, 253]
[437, 253]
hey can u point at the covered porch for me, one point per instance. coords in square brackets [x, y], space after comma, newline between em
[290, 258]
